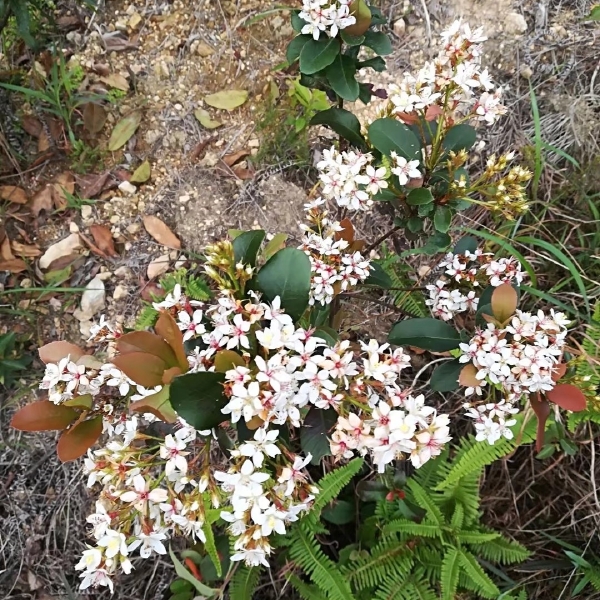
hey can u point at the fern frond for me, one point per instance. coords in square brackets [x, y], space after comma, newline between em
[147, 318]
[306, 591]
[211, 548]
[410, 302]
[307, 554]
[415, 587]
[332, 484]
[389, 557]
[429, 530]
[243, 582]
[477, 537]
[485, 586]
[500, 549]
[426, 502]
[450, 570]
[593, 575]
[458, 518]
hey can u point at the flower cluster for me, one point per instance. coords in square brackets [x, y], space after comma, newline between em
[327, 16]
[464, 277]
[519, 358]
[450, 82]
[336, 264]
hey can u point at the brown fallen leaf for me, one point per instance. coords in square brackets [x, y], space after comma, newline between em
[43, 141]
[16, 265]
[63, 262]
[26, 250]
[115, 41]
[43, 200]
[31, 125]
[150, 291]
[198, 151]
[5, 249]
[117, 81]
[63, 184]
[94, 117]
[93, 184]
[242, 172]
[101, 69]
[13, 193]
[231, 159]
[160, 232]
[104, 239]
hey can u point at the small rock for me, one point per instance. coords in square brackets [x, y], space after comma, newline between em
[134, 20]
[105, 276]
[133, 228]
[86, 212]
[515, 23]
[62, 248]
[184, 199]
[210, 160]
[152, 135]
[399, 27]
[127, 188]
[254, 143]
[181, 262]
[73, 227]
[123, 272]
[526, 72]
[115, 219]
[159, 266]
[84, 328]
[120, 292]
[26, 283]
[204, 50]
[92, 300]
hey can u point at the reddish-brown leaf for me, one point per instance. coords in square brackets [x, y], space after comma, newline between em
[64, 184]
[56, 351]
[144, 341]
[43, 416]
[228, 359]
[504, 302]
[93, 184]
[160, 232]
[157, 404]
[104, 239]
[5, 249]
[75, 442]
[542, 410]
[242, 173]
[14, 265]
[94, 117]
[567, 396]
[145, 369]
[84, 402]
[170, 374]
[558, 372]
[31, 125]
[43, 200]
[26, 250]
[467, 376]
[167, 327]
[347, 232]
[43, 141]
[12, 193]
[235, 157]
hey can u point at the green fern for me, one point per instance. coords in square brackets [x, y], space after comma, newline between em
[482, 582]
[147, 318]
[243, 582]
[450, 571]
[498, 549]
[414, 587]
[306, 591]
[332, 484]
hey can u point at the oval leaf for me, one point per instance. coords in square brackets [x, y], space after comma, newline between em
[445, 377]
[275, 245]
[227, 99]
[226, 360]
[466, 244]
[198, 398]
[142, 173]
[143, 368]
[318, 54]
[43, 416]
[341, 74]
[56, 351]
[567, 396]
[161, 233]
[428, 334]
[94, 117]
[158, 404]
[294, 48]
[205, 120]
[124, 130]
[468, 376]
[389, 135]
[150, 343]
[379, 42]
[75, 442]
[167, 328]
[442, 218]
[419, 196]
[504, 302]
[288, 276]
[459, 137]
[378, 277]
[343, 122]
[247, 245]
[182, 572]
[360, 10]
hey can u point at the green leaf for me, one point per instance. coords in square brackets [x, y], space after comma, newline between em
[389, 135]
[450, 569]
[427, 334]
[378, 277]
[425, 501]
[351, 40]
[377, 17]
[341, 74]
[459, 137]
[546, 452]
[340, 513]
[294, 48]
[211, 548]
[479, 577]
[227, 99]
[343, 122]
[243, 583]
[379, 42]
[205, 119]
[334, 482]
[247, 245]
[419, 196]
[314, 433]
[287, 275]
[142, 173]
[182, 572]
[594, 13]
[326, 333]
[297, 21]
[318, 54]
[198, 398]
[442, 218]
[124, 130]
[414, 224]
[428, 530]
[466, 244]
[376, 63]
[445, 377]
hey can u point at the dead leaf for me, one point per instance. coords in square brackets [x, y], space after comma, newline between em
[5, 249]
[227, 99]
[205, 120]
[63, 184]
[150, 291]
[43, 142]
[93, 184]
[124, 130]
[243, 173]
[114, 41]
[160, 232]
[142, 173]
[94, 117]
[43, 200]
[16, 265]
[231, 159]
[104, 239]
[13, 193]
[159, 266]
[117, 81]
[31, 125]
[62, 248]
[199, 149]
[26, 250]
[101, 69]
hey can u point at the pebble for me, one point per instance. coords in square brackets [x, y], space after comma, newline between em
[93, 300]
[120, 292]
[73, 227]
[62, 248]
[133, 228]
[86, 212]
[515, 23]
[115, 219]
[123, 272]
[127, 188]
[399, 27]
[159, 266]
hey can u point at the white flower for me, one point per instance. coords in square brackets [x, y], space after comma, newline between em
[263, 444]
[151, 542]
[114, 544]
[90, 560]
[172, 450]
[253, 557]
[96, 578]
[404, 169]
[374, 179]
[270, 520]
[142, 494]
[191, 325]
[290, 475]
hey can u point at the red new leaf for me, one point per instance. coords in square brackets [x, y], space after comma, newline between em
[143, 368]
[56, 351]
[504, 302]
[167, 327]
[43, 416]
[75, 442]
[150, 343]
[542, 410]
[467, 376]
[567, 396]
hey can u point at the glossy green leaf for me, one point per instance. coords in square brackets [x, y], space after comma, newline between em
[466, 244]
[442, 218]
[341, 74]
[378, 277]
[376, 63]
[340, 512]
[459, 137]
[379, 42]
[247, 245]
[318, 54]
[445, 376]
[182, 572]
[292, 53]
[419, 196]
[427, 333]
[389, 135]
[343, 122]
[198, 398]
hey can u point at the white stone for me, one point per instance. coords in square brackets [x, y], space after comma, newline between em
[120, 292]
[159, 266]
[60, 249]
[73, 227]
[515, 23]
[399, 27]
[127, 188]
[123, 272]
[86, 212]
[93, 300]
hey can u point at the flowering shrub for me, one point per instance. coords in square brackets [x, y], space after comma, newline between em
[213, 419]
